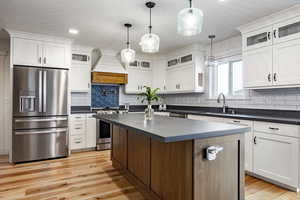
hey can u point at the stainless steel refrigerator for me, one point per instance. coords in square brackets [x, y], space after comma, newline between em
[40, 113]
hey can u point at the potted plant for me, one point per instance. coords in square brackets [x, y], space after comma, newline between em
[149, 96]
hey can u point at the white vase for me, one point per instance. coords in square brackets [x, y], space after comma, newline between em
[149, 112]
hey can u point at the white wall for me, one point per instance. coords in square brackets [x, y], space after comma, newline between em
[4, 91]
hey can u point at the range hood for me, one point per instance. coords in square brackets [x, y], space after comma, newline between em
[109, 62]
[107, 68]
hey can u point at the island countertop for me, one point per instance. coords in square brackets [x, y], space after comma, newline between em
[169, 129]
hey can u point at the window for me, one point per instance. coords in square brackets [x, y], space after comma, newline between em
[227, 78]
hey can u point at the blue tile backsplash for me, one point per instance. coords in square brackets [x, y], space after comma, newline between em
[105, 96]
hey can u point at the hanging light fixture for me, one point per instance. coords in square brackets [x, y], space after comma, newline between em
[150, 41]
[128, 54]
[190, 21]
[211, 60]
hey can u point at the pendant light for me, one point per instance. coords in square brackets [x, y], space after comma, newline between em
[211, 60]
[128, 54]
[190, 21]
[150, 41]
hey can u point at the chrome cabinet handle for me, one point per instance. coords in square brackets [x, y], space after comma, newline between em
[269, 77]
[274, 129]
[254, 140]
[212, 151]
[275, 77]
[269, 35]
[236, 121]
[40, 60]
[274, 33]
[45, 60]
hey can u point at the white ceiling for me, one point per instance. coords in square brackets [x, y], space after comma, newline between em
[100, 22]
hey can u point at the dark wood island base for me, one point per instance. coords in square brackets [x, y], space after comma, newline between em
[180, 170]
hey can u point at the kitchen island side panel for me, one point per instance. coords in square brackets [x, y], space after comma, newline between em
[223, 178]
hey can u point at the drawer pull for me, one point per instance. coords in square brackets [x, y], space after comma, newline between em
[77, 128]
[254, 140]
[78, 142]
[236, 121]
[275, 129]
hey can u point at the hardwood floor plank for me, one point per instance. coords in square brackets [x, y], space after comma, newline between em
[90, 176]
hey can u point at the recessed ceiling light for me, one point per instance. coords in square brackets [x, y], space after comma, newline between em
[222, 0]
[73, 31]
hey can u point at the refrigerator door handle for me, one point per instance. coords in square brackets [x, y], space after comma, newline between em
[44, 91]
[42, 120]
[40, 91]
[57, 130]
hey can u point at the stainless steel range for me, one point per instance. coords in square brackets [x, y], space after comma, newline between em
[104, 129]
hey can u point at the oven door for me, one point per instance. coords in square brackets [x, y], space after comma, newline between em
[103, 132]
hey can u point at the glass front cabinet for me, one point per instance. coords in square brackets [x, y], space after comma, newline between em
[258, 39]
[287, 30]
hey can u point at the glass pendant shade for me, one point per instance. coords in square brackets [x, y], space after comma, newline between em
[150, 43]
[211, 61]
[127, 56]
[190, 21]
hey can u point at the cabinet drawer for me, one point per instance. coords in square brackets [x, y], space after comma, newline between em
[275, 128]
[239, 122]
[77, 128]
[78, 117]
[206, 118]
[77, 142]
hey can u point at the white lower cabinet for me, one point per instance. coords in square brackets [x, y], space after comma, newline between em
[275, 153]
[248, 141]
[91, 131]
[271, 149]
[82, 131]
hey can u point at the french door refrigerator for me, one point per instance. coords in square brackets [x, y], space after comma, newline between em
[40, 113]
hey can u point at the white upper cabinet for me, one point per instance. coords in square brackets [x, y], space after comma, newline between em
[180, 73]
[258, 67]
[287, 30]
[257, 39]
[41, 51]
[270, 51]
[286, 63]
[80, 78]
[54, 55]
[80, 71]
[27, 52]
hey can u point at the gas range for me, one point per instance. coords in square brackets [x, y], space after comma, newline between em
[110, 110]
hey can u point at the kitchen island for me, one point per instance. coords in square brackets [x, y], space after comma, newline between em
[179, 159]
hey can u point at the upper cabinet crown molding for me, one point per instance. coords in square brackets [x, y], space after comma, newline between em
[269, 20]
[34, 36]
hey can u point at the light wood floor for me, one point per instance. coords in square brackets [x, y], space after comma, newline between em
[90, 176]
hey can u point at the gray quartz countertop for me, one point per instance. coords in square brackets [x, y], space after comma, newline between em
[167, 129]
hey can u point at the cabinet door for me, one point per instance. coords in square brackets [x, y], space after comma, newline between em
[258, 39]
[171, 80]
[119, 145]
[248, 141]
[276, 157]
[159, 75]
[286, 63]
[134, 84]
[90, 131]
[187, 78]
[145, 78]
[27, 52]
[80, 78]
[54, 55]
[287, 30]
[258, 67]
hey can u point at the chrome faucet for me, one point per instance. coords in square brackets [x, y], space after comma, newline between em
[221, 95]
